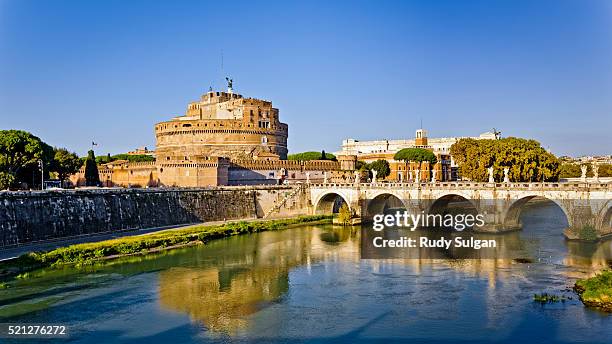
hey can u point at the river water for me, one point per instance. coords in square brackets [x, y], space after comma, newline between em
[309, 284]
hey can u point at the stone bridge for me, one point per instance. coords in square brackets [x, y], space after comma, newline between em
[584, 204]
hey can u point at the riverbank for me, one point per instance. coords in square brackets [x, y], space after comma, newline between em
[88, 253]
[596, 291]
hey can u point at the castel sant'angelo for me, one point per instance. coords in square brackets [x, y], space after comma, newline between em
[223, 124]
[223, 139]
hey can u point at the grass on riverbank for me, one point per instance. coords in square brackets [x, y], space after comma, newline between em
[596, 291]
[89, 252]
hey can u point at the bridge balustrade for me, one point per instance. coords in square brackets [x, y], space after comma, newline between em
[470, 185]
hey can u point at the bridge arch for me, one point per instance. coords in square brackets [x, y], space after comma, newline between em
[512, 218]
[606, 219]
[330, 203]
[383, 201]
[452, 203]
[440, 203]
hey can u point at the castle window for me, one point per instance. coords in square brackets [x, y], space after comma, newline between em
[264, 140]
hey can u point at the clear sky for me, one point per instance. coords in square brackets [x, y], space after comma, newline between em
[76, 71]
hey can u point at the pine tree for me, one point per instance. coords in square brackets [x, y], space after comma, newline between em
[92, 178]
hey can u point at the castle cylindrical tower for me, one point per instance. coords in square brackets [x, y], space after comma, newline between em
[222, 124]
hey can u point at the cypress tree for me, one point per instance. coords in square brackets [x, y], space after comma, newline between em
[92, 178]
[323, 156]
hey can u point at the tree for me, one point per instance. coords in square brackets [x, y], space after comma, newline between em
[416, 155]
[92, 178]
[20, 152]
[65, 163]
[526, 159]
[605, 170]
[323, 156]
[6, 180]
[572, 170]
[19, 149]
[381, 167]
[129, 157]
[361, 166]
[344, 215]
[305, 156]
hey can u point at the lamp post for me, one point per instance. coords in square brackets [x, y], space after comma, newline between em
[42, 174]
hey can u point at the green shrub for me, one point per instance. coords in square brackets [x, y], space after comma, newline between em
[596, 291]
[344, 215]
[588, 233]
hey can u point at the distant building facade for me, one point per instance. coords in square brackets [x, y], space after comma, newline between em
[446, 169]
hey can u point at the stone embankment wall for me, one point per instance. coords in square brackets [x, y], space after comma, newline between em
[41, 216]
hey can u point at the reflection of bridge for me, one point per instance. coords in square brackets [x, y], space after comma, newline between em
[500, 203]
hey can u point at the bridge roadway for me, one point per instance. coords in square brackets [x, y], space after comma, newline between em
[584, 204]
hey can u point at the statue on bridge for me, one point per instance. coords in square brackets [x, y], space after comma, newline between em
[490, 171]
[506, 177]
[374, 173]
[434, 172]
[357, 178]
[307, 177]
[595, 173]
[418, 176]
[583, 169]
[324, 177]
[410, 179]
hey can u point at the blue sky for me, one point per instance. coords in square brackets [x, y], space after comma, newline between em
[76, 71]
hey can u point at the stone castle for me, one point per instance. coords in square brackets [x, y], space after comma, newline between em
[223, 124]
[223, 139]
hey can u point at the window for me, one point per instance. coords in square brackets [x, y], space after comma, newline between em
[264, 140]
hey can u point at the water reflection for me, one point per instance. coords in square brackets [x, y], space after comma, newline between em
[250, 275]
